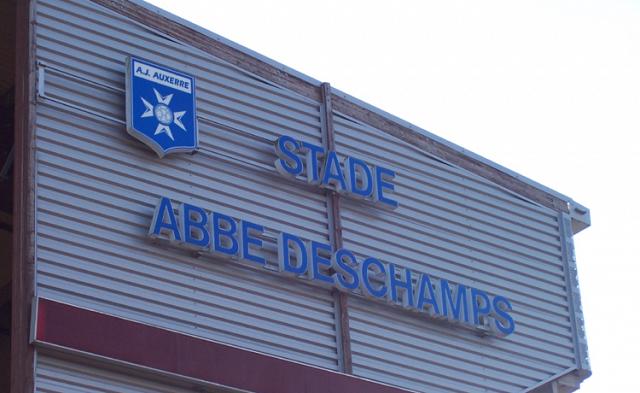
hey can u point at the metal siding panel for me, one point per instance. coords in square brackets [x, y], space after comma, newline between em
[97, 188]
[357, 137]
[54, 375]
[234, 183]
[410, 351]
[110, 35]
[119, 37]
[454, 225]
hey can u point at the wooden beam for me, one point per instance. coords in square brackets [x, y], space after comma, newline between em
[22, 352]
[5, 294]
[5, 218]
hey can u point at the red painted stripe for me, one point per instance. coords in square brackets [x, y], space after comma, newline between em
[133, 342]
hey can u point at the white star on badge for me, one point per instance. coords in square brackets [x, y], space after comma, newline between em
[163, 113]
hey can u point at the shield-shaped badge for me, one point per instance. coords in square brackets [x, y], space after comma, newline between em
[161, 107]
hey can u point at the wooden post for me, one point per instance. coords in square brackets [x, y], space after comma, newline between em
[23, 263]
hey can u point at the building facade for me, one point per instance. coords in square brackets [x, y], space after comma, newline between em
[189, 216]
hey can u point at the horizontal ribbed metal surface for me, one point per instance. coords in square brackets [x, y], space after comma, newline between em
[97, 188]
[455, 226]
[56, 375]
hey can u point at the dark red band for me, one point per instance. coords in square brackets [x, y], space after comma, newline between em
[121, 339]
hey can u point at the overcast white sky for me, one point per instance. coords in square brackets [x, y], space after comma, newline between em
[550, 89]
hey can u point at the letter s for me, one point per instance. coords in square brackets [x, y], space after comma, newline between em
[504, 322]
[288, 162]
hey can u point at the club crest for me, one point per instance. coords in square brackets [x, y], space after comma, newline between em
[161, 107]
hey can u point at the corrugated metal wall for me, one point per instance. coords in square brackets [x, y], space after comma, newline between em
[57, 375]
[97, 189]
[459, 227]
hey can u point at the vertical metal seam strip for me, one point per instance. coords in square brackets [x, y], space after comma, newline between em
[23, 263]
[343, 336]
[573, 294]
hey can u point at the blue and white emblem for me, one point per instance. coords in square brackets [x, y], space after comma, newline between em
[161, 107]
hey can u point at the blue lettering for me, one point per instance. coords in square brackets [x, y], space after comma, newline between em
[431, 301]
[332, 172]
[195, 227]
[395, 285]
[345, 264]
[193, 223]
[365, 283]
[318, 260]
[249, 230]
[353, 167]
[382, 178]
[288, 164]
[480, 306]
[313, 153]
[504, 321]
[224, 231]
[284, 254]
[160, 227]
[459, 306]
[323, 167]
[139, 70]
